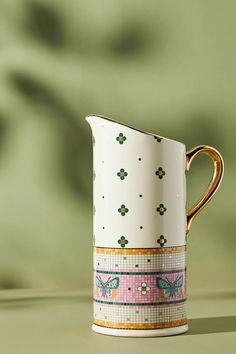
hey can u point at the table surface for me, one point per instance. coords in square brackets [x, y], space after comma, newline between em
[44, 322]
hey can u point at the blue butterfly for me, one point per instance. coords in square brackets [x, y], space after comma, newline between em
[105, 289]
[171, 289]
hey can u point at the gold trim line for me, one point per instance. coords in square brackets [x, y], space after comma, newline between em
[121, 325]
[135, 251]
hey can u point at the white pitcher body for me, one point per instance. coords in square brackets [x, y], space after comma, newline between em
[139, 226]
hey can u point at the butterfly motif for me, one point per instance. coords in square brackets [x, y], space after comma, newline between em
[105, 289]
[171, 289]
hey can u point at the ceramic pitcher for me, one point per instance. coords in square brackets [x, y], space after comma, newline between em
[140, 224]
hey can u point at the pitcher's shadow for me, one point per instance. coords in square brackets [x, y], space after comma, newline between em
[211, 325]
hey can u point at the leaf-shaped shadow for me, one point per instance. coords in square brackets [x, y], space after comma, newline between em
[132, 39]
[11, 280]
[75, 139]
[44, 23]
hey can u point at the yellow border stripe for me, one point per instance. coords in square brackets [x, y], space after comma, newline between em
[163, 250]
[120, 325]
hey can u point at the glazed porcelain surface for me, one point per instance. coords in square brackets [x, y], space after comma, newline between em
[139, 187]
[139, 225]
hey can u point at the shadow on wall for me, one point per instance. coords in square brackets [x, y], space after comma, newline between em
[44, 23]
[75, 139]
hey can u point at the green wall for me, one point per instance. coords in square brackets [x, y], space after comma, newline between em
[167, 67]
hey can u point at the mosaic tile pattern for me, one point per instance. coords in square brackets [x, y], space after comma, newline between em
[139, 288]
[133, 317]
[147, 262]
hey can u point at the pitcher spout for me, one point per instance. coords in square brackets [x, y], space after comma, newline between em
[102, 124]
[98, 121]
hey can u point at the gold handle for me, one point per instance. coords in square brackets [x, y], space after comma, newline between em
[214, 183]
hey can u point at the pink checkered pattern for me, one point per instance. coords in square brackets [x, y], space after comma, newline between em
[136, 298]
[130, 288]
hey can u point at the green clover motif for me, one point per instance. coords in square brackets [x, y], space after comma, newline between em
[161, 209]
[123, 210]
[160, 172]
[122, 241]
[162, 240]
[122, 174]
[121, 138]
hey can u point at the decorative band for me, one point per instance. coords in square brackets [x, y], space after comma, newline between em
[128, 251]
[141, 273]
[139, 288]
[148, 316]
[140, 303]
[158, 325]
